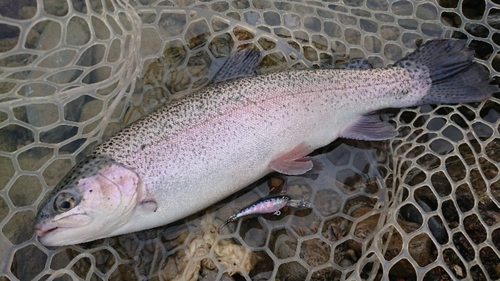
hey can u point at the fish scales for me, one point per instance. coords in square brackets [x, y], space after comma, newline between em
[223, 99]
[182, 156]
[196, 151]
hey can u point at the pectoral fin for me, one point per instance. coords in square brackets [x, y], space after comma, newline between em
[369, 127]
[293, 162]
[149, 205]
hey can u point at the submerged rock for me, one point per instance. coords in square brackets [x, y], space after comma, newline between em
[44, 114]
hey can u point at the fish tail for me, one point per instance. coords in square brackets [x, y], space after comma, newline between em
[455, 77]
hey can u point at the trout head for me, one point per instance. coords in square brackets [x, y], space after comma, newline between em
[95, 198]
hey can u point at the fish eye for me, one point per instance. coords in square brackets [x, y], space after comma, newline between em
[64, 202]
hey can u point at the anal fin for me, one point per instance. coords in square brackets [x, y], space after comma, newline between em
[369, 127]
[293, 162]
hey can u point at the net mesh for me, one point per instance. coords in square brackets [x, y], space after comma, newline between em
[424, 206]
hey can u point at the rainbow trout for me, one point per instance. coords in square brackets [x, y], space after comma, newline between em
[194, 152]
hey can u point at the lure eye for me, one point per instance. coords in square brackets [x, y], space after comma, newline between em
[64, 202]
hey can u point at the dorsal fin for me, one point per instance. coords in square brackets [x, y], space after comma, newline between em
[241, 63]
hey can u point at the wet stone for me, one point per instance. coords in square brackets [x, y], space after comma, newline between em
[150, 41]
[426, 11]
[283, 6]
[266, 43]
[402, 8]
[463, 245]
[25, 191]
[34, 158]
[392, 52]
[7, 44]
[240, 4]
[305, 222]
[171, 24]
[366, 227]
[390, 32]
[283, 244]
[14, 137]
[218, 24]
[291, 20]
[369, 25]
[303, 9]
[327, 202]
[197, 34]
[81, 266]
[199, 64]
[475, 229]
[147, 18]
[78, 32]
[403, 269]
[310, 53]
[347, 253]
[292, 271]
[234, 15]
[54, 7]
[315, 252]
[352, 36]
[4, 211]
[220, 7]
[431, 29]
[28, 268]
[272, 62]
[336, 228]
[252, 17]
[319, 42]
[91, 109]
[19, 228]
[272, 18]
[243, 34]
[312, 23]
[454, 263]
[56, 171]
[58, 134]
[254, 234]
[326, 274]
[332, 29]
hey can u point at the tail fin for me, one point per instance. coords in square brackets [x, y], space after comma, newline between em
[456, 78]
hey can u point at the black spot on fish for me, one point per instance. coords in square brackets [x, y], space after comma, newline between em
[143, 146]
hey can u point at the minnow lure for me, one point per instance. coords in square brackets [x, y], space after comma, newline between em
[268, 205]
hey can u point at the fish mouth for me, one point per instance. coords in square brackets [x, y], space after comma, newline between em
[41, 231]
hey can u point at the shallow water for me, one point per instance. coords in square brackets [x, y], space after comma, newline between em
[376, 205]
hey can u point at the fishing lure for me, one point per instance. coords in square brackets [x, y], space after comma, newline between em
[268, 205]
